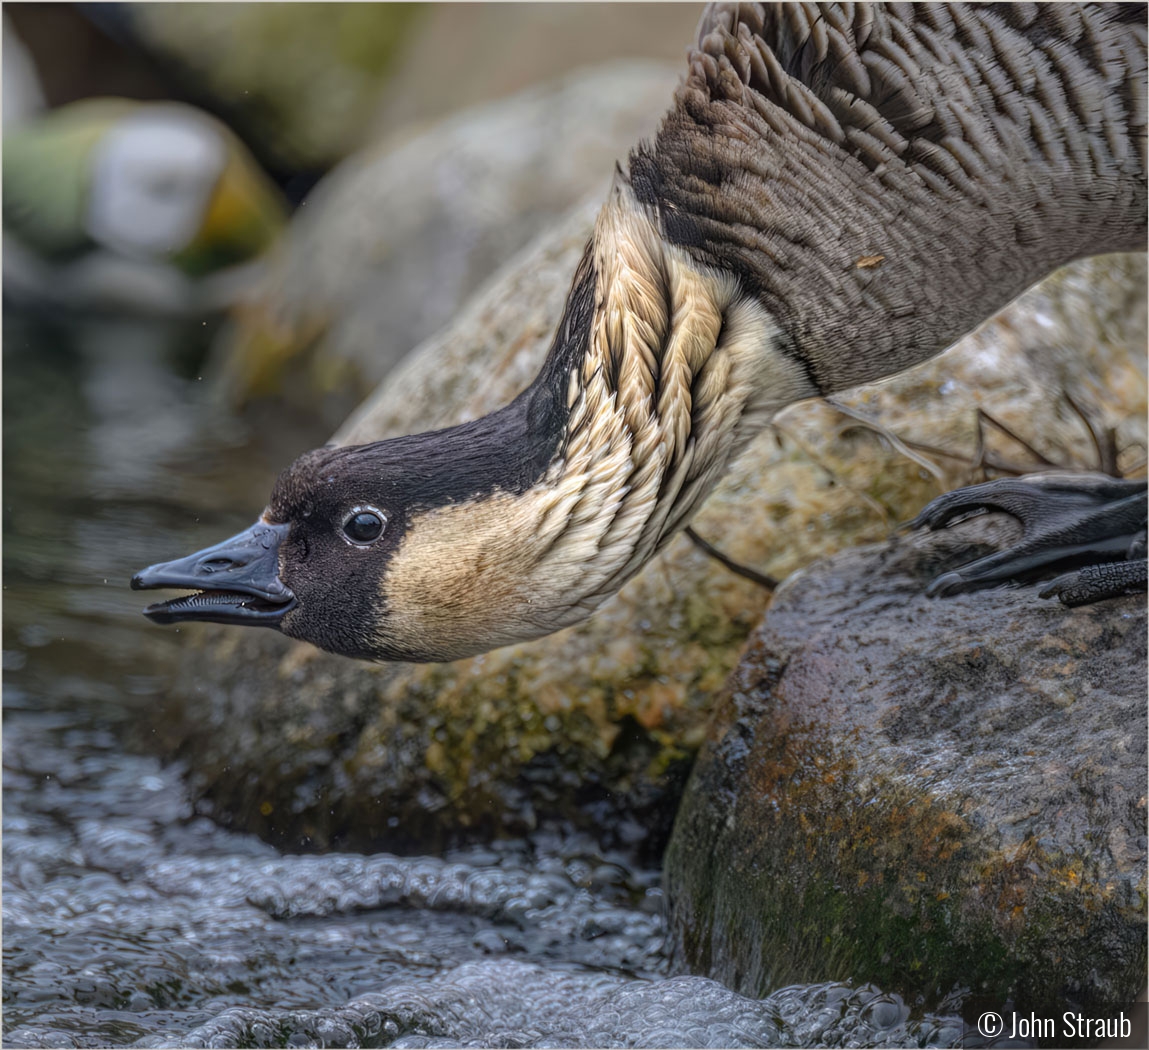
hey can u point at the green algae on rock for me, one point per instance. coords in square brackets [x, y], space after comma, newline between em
[930, 794]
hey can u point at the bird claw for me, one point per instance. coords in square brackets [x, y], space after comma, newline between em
[945, 584]
[1065, 518]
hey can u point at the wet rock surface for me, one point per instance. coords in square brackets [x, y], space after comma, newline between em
[128, 920]
[928, 793]
[516, 1004]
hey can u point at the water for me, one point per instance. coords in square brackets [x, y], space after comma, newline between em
[130, 919]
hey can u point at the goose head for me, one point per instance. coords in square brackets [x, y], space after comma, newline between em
[334, 515]
[418, 548]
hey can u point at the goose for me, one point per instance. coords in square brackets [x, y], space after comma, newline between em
[838, 192]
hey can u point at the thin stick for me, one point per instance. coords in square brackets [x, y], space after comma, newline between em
[878, 428]
[741, 570]
[984, 416]
[1104, 439]
[986, 460]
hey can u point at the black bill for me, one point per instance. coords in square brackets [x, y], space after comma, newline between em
[237, 581]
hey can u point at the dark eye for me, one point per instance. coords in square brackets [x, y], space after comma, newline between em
[364, 525]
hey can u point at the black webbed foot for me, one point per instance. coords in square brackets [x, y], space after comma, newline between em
[1091, 522]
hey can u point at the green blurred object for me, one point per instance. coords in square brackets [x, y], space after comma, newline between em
[157, 194]
[302, 81]
[46, 173]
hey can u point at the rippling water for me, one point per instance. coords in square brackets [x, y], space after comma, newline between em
[129, 919]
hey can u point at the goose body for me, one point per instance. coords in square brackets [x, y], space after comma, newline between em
[839, 192]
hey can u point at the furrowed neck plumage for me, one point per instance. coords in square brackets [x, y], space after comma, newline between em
[679, 370]
[654, 381]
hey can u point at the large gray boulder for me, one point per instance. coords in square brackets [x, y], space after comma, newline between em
[931, 794]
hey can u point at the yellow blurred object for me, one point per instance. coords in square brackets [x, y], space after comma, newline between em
[270, 343]
[244, 216]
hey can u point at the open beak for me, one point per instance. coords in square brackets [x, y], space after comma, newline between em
[236, 581]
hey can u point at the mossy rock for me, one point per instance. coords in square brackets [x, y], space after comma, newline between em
[935, 795]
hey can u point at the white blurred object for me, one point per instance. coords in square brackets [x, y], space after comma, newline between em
[22, 95]
[153, 174]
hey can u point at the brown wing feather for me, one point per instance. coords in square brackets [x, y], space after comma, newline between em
[972, 149]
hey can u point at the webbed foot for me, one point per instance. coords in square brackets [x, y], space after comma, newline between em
[1091, 522]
